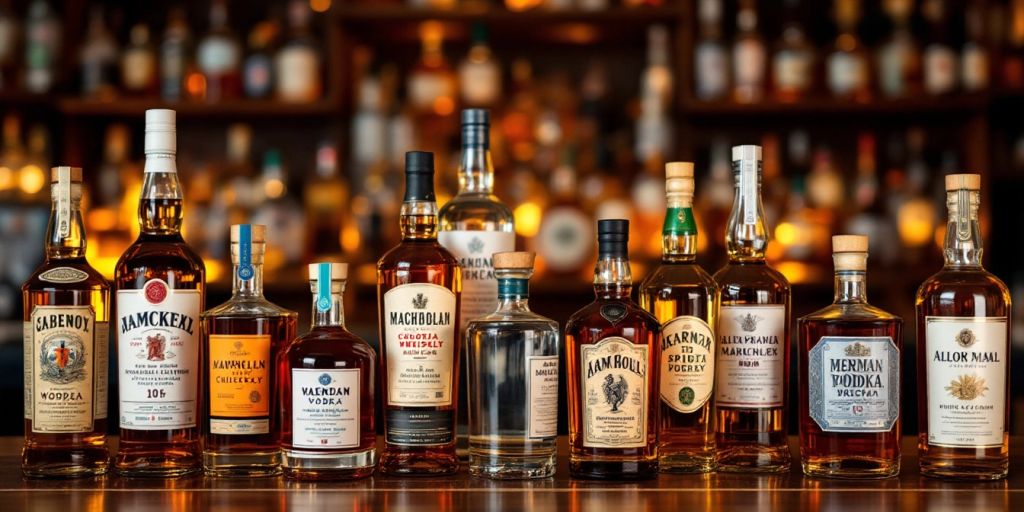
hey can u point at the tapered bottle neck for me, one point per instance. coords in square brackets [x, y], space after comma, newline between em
[679, 234]
[963, 245]
[612, 277]
[513, 290]
[747, 232]
[476, 169]
[850, 287]
[334, 313]
[65, 231]
[247, 287]
[418, 220]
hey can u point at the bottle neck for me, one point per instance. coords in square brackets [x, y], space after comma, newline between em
[612, 278]
[476, 171]
[249, 287]
[747, 233]
[513, 295]
[160, 204]
[963, 247]
[334, 315]
[418, 220]
[679, 235]
[850, 288]
[65, 232]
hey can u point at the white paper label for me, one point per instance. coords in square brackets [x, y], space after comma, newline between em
[158, 356]
[325, 408]
[543, 396]
[614, 373]
[419, 338]
[751, 356]
[687, 363]
[846, 73]
[966, 380]
[854, 384]
[298, 73]
[474, 250]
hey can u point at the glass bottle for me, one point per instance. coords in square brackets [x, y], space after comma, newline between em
[419, 287]
[474, 225]
[849, 360]
[710, 58]
[241, 342]
[793, 62]
[963, 372]
[175, 54]
[99, 58]
[975, 55]
[940, 66]
[752, 364]
[327, 382]
[219, 57]
[683, 297]
[10, 31]
[513, 374]
[847, 69]
[66, 310]
[749, 56]
[326, 198]
[898, 59]
[297, 66]
[159, 283]
[138, 63]
[480, 72]
[42, 47]
[612, 361]
[258, 66]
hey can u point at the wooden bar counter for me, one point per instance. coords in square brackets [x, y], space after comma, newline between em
[674, 493]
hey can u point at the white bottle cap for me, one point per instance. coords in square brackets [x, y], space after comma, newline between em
[746, 152]
[160, 131]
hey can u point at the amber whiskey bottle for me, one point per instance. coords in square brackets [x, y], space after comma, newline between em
[327, 378]
[963, 371]
[612, 372]
[241, 342]
[752, 363]
[419, 285]
[849, 360]
[159, 283]
[67, 304]
[683, 297]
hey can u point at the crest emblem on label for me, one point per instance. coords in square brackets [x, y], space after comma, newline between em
[965, 338]
[63, 275]
[155, 291]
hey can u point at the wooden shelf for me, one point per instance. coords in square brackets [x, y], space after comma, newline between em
[493, 15]
[130, 107]
[924, 106]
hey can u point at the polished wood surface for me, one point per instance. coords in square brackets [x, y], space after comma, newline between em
[676, 493]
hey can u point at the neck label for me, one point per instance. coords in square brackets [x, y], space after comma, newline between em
[963, 215]
[245, 270]
[679, 221]
[748, 190]
[323, 287]
[63, 202]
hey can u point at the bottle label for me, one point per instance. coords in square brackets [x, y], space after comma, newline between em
[792, 70]
[687, 363]
[63, 202]
[325, 408]
[966, 381]
[748, 191]
[614, 373]
[63, 275]
[419, 339]
[474, 250]
[751, 356]
[298, 73]
[854, 383]
[65, 354]
[239, 383]
[940, 69]
[712, 63]
[543, 396]
[846, 73]
[749, 64]
[158, 356]
[422, 427]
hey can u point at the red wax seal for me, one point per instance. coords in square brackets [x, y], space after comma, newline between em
[155, 291]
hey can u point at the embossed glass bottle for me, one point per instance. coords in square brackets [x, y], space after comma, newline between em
[752, 363]
[327, 380]
[241, 340]
[473, 225]
[849, 360]
[963, 371]
[513, 376]
[683, 297]
[612, 369]
[67, 306]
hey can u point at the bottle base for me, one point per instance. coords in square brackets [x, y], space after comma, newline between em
[965, 472]
[318, 466]
[65, 463]
[242, 465]
[613, 470]
[157, 467]
[511, 468]
[425, 463]
[852, 468]
[686, 463]
[64, 470]
[753, 459]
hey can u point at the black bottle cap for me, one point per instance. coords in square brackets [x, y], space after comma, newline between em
[419, 176]
[476, 127]
[612, 238]
[476, 116]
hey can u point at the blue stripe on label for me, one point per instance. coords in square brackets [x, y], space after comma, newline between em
[245, 271]
[323, 287]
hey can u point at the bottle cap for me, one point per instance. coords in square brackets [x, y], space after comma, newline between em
[475, 128]
[476, 116]
[339, 271]
[160, 131]
[419, 176]
[849, 243]
[679, 183]
[612, 237]
[75, 173]
[963, 181]
[746, 152]
[513, 260]
[850, 252]
[257, 233]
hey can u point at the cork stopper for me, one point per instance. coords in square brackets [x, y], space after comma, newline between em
[258, 231]
[75, 172]
[339, 271]
[963, 181]
[679, 184]
[850, 252]
[513, 260]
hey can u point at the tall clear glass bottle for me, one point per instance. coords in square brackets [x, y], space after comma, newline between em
[850, 354]
[513, 374]
[327, 381]
[241, 342]
[963, 370]
[67, 307]
[752, 363]
[474, 225]
[684, 298]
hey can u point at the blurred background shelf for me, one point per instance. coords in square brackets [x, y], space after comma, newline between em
[243, 109]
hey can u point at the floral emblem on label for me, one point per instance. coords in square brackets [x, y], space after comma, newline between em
[615, 392]
[857, 350]
[748, 322]
[967, 387]
[966, 338]
[419, 301]
[476, 246]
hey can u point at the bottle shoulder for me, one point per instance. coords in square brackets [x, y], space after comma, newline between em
[171, 253]
[248, 307]
[591, 316]
[331, 340]
[734, 278]
[512, 320]
[846, 313]
[674, 275]
[953, 279]
[416, 253]
[92, 279]
[489, 213]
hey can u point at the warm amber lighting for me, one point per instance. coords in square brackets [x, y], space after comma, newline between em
[104, 264]
[350, 239]
[940, 237]
[101, 219]
[366, 273]
[916, 222]
[214, 270]
[195, 85]
[795, 271]
[273, 188]
[320, 5]
[522, 5]
[31, 179]
[444, 105]
[846, 42]
[787, 234]
[527, 218]
[576, 33]
[6, 178]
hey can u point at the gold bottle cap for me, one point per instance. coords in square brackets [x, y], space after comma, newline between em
[963, 181]
[513, 260]
[75, 172]
[258, 233]
[339, 271]
[850, 252]
[679, 170]
[679, 184]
